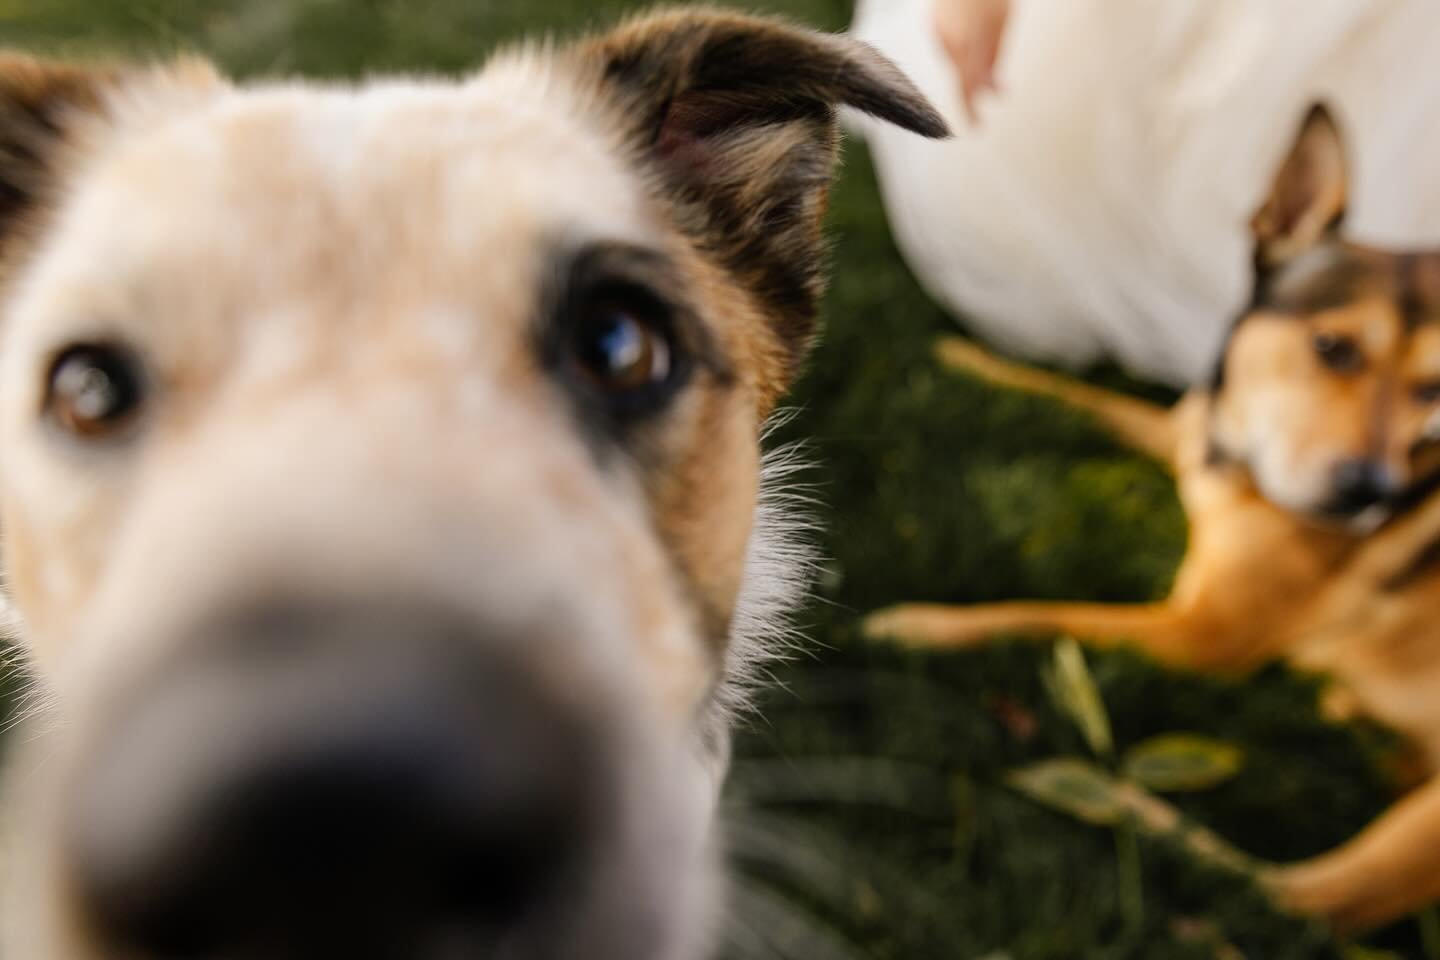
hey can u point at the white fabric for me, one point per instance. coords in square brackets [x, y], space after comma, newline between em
[1101, 208]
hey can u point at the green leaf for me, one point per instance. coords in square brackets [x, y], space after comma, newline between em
[1183, 762]
[1073, 786]
[1088, 792]
[1074, 691]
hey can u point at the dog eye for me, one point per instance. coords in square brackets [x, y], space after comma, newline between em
[622, 345]
[93, 390]
[1338, 352]
[1427, 392]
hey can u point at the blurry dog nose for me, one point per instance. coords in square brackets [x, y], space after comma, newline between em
[367, 787]
[1358, 484]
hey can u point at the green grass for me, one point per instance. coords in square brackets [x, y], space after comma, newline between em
[869, 814]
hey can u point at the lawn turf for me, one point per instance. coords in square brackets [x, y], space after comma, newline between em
[868, 812]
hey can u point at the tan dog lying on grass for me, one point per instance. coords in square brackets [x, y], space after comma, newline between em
[1308, 472]
[380, 487]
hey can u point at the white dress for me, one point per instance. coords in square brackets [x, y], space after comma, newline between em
[1101, 209]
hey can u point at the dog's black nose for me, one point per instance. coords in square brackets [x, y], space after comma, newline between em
[321, 786]
[1359, 484]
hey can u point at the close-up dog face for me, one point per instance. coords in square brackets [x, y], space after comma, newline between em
[379, 474]
[1329, 390]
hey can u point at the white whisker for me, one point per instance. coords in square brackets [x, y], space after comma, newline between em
[782, 562]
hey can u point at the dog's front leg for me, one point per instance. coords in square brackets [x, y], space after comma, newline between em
[1389, 870]
[1156, 628]
[1151, 429]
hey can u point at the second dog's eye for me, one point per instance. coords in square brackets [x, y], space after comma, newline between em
[623, 347]
[93, 390]
[1339, 352]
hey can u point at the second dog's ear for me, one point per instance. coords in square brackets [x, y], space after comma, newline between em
[736, 114]
[1307, 200]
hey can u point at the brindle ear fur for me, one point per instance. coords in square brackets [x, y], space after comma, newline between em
[37, 100]
[736, 114]
[1307, 200]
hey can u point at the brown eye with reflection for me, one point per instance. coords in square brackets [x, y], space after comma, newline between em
[1426, 393]
[624, 348]
[1339, 352]
[93, 391]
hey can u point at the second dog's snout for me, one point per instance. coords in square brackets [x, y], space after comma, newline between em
[1359, 484]
[366, 785]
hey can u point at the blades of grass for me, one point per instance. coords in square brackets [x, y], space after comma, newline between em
[741, 940]
[787, 847]
[1358, 951]
[1429, 920]
[962, 792]
[847, 781]
[830, 872]
[767, 925]
[1073, 689]
[1206, 933]
[1131, 882]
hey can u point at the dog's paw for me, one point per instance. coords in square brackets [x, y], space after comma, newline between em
[921, 625]
[1320, 889]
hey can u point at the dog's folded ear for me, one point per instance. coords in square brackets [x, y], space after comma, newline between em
[45, 104]
[736, 114]
[1306, 203]
[38, 101]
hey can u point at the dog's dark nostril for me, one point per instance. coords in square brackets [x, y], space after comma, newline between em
[431, 797]
[1358, 484]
